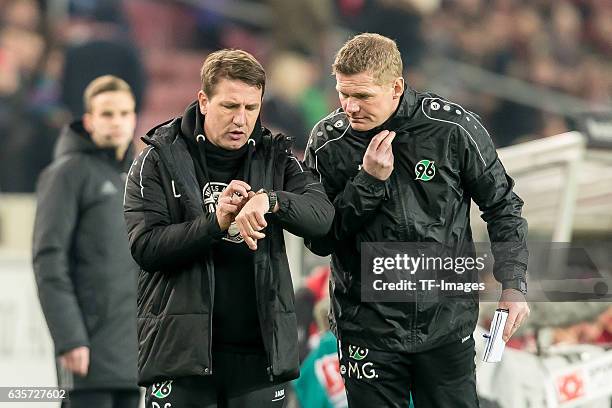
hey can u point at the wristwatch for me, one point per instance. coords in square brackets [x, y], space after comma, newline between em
[272, 199]
[517, 283]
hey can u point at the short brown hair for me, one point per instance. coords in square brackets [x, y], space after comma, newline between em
[231, 64]
[371, 53]
[105, 83]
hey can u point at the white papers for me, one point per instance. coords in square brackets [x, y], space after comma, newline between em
[495, 343]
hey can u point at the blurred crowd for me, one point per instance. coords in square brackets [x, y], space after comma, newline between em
[46, 60]
[597, 332]
[30, 113]
[48, 54]
[560, 45]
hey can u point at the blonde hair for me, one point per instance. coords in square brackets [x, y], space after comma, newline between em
[231, 64]
[105, 83]
[371, 53]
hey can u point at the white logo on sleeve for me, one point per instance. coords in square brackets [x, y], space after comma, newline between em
[108, 188]
[279, 395]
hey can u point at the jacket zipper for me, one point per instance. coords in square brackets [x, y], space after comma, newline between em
[261, 328]
[209, 370]
[405, 238]
[271, 174]
[268, 269]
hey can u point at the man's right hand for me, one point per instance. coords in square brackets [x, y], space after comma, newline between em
[378, 158]
[231, 201]
[76, 360]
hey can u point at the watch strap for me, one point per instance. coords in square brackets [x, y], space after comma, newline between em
[517, 284]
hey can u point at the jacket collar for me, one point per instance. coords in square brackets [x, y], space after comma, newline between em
[75, 139]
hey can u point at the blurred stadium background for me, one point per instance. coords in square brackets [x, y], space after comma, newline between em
[539, 72]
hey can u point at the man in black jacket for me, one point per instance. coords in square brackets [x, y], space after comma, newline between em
[403, 166]
[205, 205]
[85, 274]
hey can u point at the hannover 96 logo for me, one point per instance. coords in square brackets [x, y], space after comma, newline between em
[425, 170]
[161, 390]
[357, 353]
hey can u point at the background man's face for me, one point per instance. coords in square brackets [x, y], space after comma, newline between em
[231, 113]
[112, 119]
[366, 103]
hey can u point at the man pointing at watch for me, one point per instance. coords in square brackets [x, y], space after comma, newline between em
[205, 205]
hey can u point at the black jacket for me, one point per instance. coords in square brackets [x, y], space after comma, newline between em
[85, 274]
[404, 209]
[171, 236]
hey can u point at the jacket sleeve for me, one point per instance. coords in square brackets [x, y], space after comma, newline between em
[57, 212]
[355, 204]
[156, 243]
[304, 209]
[486, 181]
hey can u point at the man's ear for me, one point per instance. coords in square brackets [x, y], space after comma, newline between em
[87, 122]
[202, 102]
[398, 87]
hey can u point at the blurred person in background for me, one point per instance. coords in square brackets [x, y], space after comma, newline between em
[205, 205]
[315, 288]
[30, 113]
[85, 274]
[293, 103]
[401, 20]
[304, 26]
[98, 41]
[403, 166]
[320, 384]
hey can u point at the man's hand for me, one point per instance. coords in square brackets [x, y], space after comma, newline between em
[76, 360]
[250, 221]
[518, 311]
[378, 158]
[231, 201]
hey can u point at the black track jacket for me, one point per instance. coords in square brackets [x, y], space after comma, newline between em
[84, 271]
[406, 209]
[171, 237]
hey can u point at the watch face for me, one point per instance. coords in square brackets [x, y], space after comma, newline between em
[271, 201]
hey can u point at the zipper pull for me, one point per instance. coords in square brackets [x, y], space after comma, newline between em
[269, 370]
[387, 195]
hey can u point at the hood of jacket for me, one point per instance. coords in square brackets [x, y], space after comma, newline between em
[191, 122]
[75, 139]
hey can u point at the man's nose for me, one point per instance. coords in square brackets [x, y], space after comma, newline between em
[352, 106]
[240, 118]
